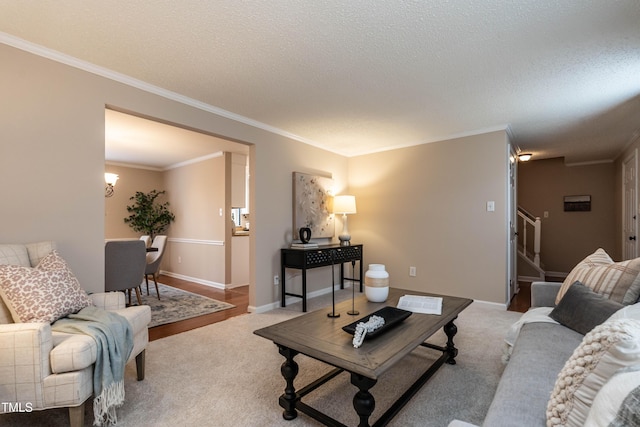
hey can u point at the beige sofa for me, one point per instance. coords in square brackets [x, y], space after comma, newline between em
[41, 368]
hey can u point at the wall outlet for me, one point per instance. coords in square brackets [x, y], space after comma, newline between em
[276, 280]
[412, 271]
[179, 259]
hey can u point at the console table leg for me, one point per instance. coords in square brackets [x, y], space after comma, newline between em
[451, 330]
[289, 370]
[363, 401]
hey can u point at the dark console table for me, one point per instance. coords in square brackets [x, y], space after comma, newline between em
[322, 256]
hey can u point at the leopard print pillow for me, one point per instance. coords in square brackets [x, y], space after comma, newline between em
[44, 293]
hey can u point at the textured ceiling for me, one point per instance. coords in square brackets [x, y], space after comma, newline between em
[363, 76]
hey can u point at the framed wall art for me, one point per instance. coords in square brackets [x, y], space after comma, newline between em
[312, 205]
[577, 203]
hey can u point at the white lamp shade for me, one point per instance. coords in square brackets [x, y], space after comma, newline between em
[110, 178]
[344, 204]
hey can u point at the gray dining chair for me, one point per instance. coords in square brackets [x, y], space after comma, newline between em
[124, 265]
[153, 261]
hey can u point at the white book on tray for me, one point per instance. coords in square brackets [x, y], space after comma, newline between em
[421, 304]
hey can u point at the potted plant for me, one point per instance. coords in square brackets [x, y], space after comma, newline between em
[147, 216]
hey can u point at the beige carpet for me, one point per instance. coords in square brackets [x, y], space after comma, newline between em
[224, 375]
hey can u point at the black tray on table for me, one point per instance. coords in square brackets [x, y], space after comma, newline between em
[391, 315]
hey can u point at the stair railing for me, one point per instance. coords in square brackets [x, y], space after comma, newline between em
[529, 224]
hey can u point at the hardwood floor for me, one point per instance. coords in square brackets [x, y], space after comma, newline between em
[237, 296]
[522, 300]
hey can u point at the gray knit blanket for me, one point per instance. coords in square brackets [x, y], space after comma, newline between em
[114, 340]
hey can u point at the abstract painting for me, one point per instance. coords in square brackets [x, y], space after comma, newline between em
[312, 205]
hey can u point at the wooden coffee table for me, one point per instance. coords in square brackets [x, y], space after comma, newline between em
[322, 338]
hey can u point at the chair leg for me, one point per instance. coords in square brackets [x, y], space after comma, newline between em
[146, 279]
[76, 415]
[140, 365]
[138, 296]
[155, 280]
[129, 293]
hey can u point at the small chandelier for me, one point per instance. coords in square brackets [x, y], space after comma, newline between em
[110, 179]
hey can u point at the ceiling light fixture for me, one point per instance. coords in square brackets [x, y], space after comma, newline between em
[524, 157]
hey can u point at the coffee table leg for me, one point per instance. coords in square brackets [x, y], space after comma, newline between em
[451, 330]
[289, 370]
[363, 401]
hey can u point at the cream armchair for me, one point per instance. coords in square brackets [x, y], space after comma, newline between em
[41, 369]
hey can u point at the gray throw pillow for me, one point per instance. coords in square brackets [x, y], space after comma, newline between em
[581, 309]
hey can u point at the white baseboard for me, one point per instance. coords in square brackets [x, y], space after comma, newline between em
[290, 300]
[200, 281]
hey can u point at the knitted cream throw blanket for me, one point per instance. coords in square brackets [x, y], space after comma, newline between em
[114, 340]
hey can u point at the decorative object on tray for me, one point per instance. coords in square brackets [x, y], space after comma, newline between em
[421, 304]
[392, 316]
[374, 323]
[376, 283]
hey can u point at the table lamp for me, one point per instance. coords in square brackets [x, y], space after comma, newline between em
[344, 205]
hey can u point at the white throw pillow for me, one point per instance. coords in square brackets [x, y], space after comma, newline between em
[627, 312]
[618, 281]
[605, 350]
[618, 400]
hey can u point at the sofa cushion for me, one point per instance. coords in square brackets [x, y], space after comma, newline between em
[42, 294]
[39, 250]
[539, 353]
[71, 352]
[618, 281]
[14, 255]
[609, 347]
[581, 309]
[618, 402]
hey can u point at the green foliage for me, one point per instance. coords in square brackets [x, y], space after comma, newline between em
[147, 216]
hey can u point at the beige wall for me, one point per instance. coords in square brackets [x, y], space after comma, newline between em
[425, 206]
[197, 237]
[567, 237]
[197, 244]
[422, 206]
[52, 164]
[115, 207]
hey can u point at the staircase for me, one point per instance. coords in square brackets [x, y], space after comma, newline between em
[529, 232]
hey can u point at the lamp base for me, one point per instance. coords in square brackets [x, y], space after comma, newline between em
[345, 240]
[333, 314]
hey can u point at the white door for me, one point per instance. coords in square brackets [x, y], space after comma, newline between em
[630, 206]
[512, 262]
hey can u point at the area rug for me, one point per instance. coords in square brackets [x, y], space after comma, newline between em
[176, 304]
